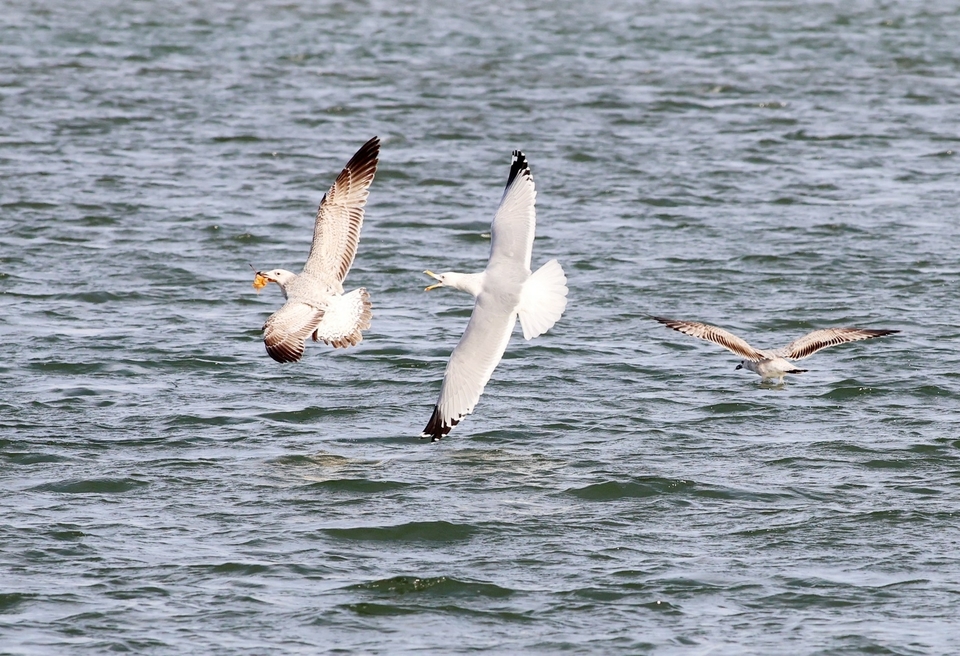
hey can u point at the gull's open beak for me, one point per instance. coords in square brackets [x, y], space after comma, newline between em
[739, 366]
[435, 277]
[260, 281]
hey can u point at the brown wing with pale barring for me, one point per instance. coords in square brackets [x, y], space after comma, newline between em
[285, 332]
[827, 337]
[336, 232]
[718, 336]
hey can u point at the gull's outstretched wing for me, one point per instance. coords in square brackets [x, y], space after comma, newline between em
[825, 338]
[336, 232]
[286, 330]
[344, 319]
[515, 222]
[471, 364]
[713, 334]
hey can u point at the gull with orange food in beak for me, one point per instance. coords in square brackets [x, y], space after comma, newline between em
[505, 291]
[316, 305]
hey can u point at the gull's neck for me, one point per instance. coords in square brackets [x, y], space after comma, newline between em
[750, 365]
[471, 283]
[285, 279]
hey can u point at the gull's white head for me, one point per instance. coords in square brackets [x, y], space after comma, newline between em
[279, 276]
[472, 283]
[749, 365]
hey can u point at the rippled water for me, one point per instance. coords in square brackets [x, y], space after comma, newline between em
[767, 167]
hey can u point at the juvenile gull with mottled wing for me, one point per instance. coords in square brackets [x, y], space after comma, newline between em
[316, 304]
[504, 291]
[775, 364]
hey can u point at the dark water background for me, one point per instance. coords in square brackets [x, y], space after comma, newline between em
[771, 167]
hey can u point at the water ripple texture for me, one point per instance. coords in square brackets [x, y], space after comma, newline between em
[767, 167]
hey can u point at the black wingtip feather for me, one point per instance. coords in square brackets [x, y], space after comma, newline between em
[436, 429]
[518, 166]
[367, 154]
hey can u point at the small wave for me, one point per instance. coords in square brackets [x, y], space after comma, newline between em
[733, 408]
[374, 610]
[32, 458]
[321, 459]
[807, 601]
[310, 413]
[92, 486]
[933, 390]
[648, 487]
[214, 420]
[248, 569]
[360, 485]
[445, 586]
[237, 138]
[10, 600]
[848, 391]
[895, 463]
[439, 531]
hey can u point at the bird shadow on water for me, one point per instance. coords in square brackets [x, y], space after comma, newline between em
[321, 465]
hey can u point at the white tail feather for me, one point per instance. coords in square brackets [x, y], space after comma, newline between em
[543, 299]
[344, 319]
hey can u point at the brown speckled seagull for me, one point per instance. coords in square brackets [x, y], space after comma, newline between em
[775, 364]
[316, 305]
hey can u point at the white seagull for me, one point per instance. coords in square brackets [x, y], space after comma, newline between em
[505, 290]
[316, 304]
[775, 364]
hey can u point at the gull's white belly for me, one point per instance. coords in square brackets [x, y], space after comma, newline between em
[772, 368]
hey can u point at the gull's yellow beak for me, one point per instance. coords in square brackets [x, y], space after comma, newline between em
[260, 281]
[435, 277]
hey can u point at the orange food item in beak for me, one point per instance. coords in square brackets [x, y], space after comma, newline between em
[259, 282]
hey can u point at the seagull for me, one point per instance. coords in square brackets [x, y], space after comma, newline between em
[770, 365]
[316, 305]
[504, 291]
